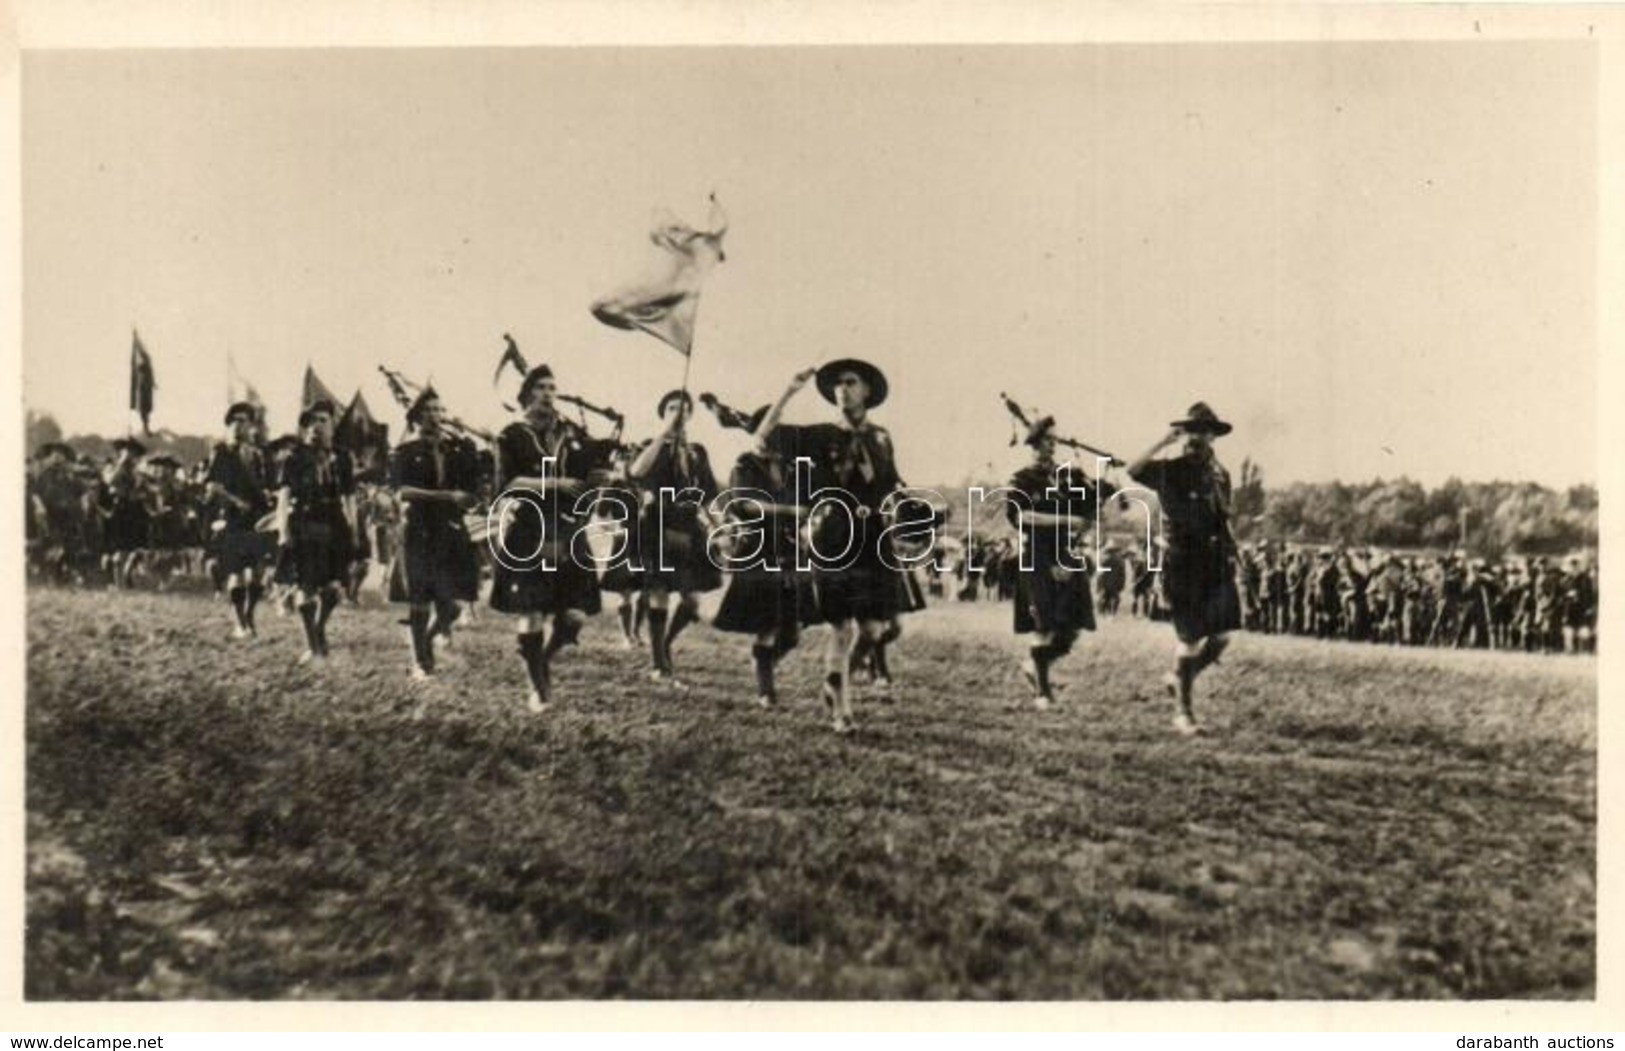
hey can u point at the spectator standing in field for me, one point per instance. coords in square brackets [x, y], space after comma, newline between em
[436, 477]
[1198, 568]
[316, 522]
[238, 484]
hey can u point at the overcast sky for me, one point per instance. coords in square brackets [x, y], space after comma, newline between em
[1375, 259]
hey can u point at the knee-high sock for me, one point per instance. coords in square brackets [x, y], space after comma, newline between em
[564, 634]
[532, 647]
[882, 668]
[860, 652]
[657, 639]
[680, 619]
[422, 648]
[832, 688]
[1041, 653]
[765, 657]
[445, 615]
[893, 632]
[626, 619]
[255, 593]
[239, 597]
[1187, 668]
[313, 635]
[329, 599]
[1212, 649]
[640, 611]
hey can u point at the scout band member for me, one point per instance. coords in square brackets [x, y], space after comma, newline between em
[316, 522]
[766, 597]
[435, 476]
[1198, 568]
[1053, 507]
[125, 512]
[538, 572]
[237, 483]
[678, 485]
[853, 461]
[615, 527]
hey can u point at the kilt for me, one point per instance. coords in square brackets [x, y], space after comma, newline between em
[759, 602]
[621, 579]
[1045, 604]
[565, 583]
[241, 550]
[1200, 586]
[436, 563]
[676, 560]
[868, 589]
[126, 528]
[321, 550]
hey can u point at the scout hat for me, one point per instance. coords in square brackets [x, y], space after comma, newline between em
[533, 377]
[135, 447]
[55, 447]
[1202, 420]
[671, 396]
[413, 409]
[320, 405]
[241, 408]
[873, 378]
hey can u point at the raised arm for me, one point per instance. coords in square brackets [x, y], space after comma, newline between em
[771, 420]
[1173, 437]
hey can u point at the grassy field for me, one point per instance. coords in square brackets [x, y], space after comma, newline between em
[207, 820]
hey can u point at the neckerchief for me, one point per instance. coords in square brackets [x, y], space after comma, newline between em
[859, 454]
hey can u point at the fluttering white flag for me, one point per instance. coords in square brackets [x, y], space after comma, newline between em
[665, 300]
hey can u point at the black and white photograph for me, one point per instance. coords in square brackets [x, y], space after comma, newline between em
[1077, 521]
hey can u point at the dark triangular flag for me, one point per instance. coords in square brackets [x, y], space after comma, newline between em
[142, 381]
[362, 436]
[315, 391]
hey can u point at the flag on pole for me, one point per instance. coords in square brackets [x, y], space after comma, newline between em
[360, 433]
[236, 382]
[142, 381]
[510, 356]
[664, 302]
[315, 390]
[401, 389]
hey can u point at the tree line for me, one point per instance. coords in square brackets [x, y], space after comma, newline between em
[1487, 519]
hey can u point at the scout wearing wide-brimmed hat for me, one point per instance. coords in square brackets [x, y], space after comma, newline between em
[1198, 573]
[854, 459]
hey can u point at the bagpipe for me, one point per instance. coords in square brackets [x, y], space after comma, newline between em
[406, 392]
[512, 356]
[1028, 422]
